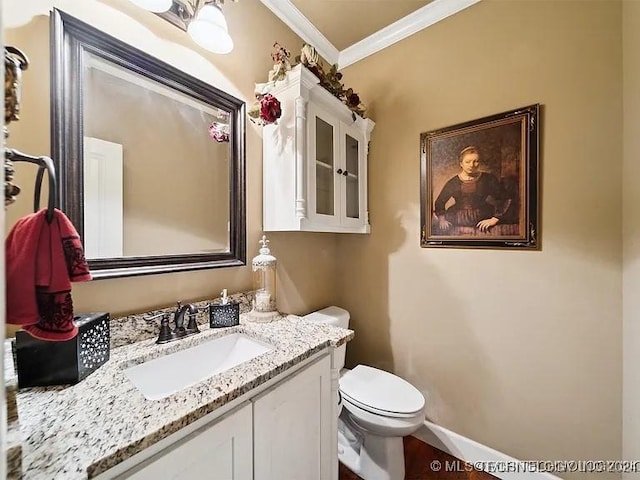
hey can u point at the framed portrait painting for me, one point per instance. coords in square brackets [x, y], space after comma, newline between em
[479, 182]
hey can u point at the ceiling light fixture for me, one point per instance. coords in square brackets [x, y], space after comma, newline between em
[203, 20]
[209, 30]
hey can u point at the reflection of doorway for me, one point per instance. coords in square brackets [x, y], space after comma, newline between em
[103, 212]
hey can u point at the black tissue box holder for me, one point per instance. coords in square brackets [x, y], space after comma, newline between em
[224, 315]
[41, 363]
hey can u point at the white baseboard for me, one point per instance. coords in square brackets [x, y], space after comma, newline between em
[480, 456]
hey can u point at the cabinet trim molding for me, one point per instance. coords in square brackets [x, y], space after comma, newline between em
[301, 146]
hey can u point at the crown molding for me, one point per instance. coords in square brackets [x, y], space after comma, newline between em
[296, 21]
[387, 36]
[401, 29]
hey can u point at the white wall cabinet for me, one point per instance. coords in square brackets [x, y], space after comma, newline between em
[287, 430]
[314, 161]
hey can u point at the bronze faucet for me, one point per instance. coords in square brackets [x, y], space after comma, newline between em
[178, 318]
[180, 331]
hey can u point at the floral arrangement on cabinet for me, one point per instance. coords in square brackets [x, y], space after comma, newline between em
[267, 109]
[331, 79]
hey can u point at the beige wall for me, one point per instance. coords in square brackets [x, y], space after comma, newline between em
[631, 231]
[306, 268]
[519, 350]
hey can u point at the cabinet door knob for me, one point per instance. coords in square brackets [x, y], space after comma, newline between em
[339, 171]
[345, 173]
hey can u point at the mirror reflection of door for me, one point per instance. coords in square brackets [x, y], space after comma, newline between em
[103, 213]
[169, 191]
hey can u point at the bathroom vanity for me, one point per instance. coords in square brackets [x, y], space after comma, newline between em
[271, 417]
[264, 434]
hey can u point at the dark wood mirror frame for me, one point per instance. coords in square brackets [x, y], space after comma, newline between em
[70, 38]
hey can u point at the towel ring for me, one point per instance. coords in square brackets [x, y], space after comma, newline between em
[44, 163]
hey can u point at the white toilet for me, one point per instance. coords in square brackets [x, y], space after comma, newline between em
[378, 409]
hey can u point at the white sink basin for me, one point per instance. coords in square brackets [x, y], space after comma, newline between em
[163, 376]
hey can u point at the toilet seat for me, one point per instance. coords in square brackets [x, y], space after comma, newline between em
[380, 392]
[346, 400]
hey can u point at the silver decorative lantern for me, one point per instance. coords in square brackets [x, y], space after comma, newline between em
[264, 285]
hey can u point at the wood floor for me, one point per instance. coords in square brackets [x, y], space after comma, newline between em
[424, 462]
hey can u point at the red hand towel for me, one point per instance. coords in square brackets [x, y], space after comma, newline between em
[42, 260]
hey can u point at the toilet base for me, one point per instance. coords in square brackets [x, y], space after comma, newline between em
[369, 456]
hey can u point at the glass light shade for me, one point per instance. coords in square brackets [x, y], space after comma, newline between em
[209, 30]
[156, 6]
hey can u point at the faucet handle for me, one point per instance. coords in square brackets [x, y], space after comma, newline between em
[192, 325]
[165, 331]
[149, 319]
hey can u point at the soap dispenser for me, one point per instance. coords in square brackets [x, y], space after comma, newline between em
[264, 284]
[223, 312]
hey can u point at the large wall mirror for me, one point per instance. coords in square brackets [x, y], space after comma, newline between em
[147, 183]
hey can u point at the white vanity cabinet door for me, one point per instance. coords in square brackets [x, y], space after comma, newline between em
[292, 427]
[218, 451]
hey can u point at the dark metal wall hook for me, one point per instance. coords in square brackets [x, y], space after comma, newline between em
[44, 164]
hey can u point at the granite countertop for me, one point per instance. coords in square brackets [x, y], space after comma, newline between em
[77, 432]
[13, 443]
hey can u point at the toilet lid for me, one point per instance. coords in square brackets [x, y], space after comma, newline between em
[381, 391]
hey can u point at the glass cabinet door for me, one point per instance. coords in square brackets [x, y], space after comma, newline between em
[325, 167]
[352, 177]
[337, 172]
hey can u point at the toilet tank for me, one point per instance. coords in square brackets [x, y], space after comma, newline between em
[338, 317]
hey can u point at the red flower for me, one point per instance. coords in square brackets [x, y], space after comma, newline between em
[353, 100]
[270, 109]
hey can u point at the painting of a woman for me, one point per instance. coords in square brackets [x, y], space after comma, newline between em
[479, 182]
[478, 197]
